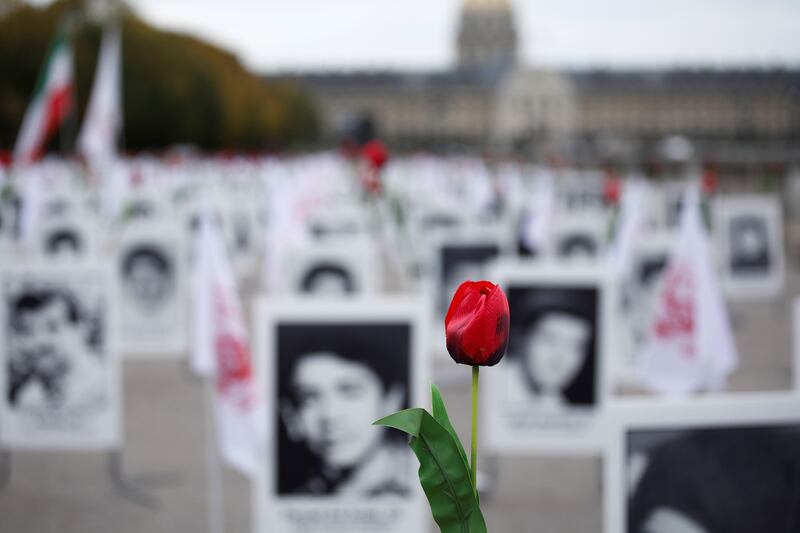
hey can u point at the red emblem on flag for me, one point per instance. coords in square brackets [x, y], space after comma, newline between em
[675, 321]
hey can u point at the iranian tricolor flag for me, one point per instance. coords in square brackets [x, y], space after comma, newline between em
[51, 103]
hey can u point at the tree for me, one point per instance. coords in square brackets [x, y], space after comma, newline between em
[177, 89]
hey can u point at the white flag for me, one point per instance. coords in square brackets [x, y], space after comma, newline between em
[34, 197]
[690, 345]
[630, 225]
[221, 350]
[540, 211]
[116, 185]
[97, 140]
[286, 225]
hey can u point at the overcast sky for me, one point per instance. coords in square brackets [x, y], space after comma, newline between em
[305, 34]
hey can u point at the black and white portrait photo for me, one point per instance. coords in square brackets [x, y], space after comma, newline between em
[577, 245]
[649, 263]
[147, 276]
[239, 225]
[462, 261]
[59, 206]
[151, 275]
[328, 279]
[552, 352]
[751, 245]
[634, 302]
[332, 269]
[705, 466]
[344, 222]
[733, 479]
[333, 382]
[64, 241]
[430, 226]
[580, 236]
[66, 238]
[330, 370]
[241, 232]
[582, 191]
[550, 386]
[59, 372]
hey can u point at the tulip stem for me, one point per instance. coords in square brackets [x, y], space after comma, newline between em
[474, 455]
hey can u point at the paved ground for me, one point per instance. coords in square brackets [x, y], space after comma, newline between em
[164, 452]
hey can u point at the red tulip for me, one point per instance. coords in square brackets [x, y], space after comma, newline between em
[375, 153]
[612, 190]
[709, 181]
[477, 324]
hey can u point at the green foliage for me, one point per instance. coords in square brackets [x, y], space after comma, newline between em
[440, 415]
[443, 471]
[176, 89]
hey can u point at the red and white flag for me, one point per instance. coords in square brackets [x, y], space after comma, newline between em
[221, 351]
[690, 345]
[97, 140]
[51, 103]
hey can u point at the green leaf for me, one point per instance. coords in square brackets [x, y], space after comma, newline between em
[440, 415]
[443, 473]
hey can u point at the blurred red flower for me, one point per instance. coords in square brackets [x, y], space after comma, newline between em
[709, 181]
[375, 153]
[612, 189]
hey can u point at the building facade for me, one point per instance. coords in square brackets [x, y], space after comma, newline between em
[489, 99]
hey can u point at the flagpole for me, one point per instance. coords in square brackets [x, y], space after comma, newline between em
[214, 495]
[68, 133]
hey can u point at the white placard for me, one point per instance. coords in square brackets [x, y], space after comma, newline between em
[580, 236]
[460, 255]
[548, 393]
[796, 342]
[427, 224]
[152, 278]
[328, 369]
[724, 463]
[346, 268]
[750, 239]
[242, 235]
[59, 368]
[342, 222]
[68, 238]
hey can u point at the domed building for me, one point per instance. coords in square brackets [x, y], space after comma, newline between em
[488, 99]
[487, 34]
